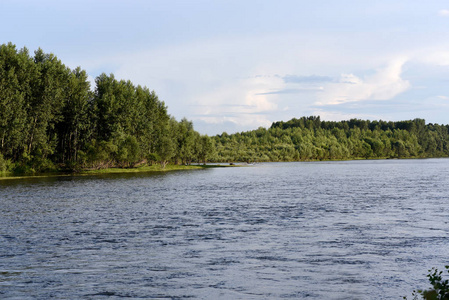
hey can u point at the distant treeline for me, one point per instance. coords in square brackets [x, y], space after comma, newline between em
[50, 119]
[309, 138]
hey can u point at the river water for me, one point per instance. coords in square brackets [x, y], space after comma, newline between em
[318, 230]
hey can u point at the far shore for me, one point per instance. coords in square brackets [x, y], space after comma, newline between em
[148, 169]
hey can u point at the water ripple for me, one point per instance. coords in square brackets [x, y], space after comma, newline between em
[332, 230]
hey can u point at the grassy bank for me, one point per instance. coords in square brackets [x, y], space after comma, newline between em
[153, 168]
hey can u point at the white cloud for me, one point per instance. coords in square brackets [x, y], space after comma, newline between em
[245, 96]
[339, 116]
[435, 57]
[254, 89]
[243, 120]
[350, 78]
[383, 85]
[216, 81]
[243, 102]
[444, 13]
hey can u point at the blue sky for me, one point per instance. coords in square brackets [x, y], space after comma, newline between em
[236, 65]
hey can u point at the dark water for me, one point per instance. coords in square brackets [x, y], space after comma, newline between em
[326, 230]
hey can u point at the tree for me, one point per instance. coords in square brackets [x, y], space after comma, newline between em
[48, 116]
[205, 148]
[186, 141]
[75, 129]
[45, 105]
[165, 150]
[128, 153]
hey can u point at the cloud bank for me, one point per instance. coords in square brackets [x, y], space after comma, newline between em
[242, 83]
[444, 12]
[385, 84]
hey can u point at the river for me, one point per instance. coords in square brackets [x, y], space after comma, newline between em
[320, 230]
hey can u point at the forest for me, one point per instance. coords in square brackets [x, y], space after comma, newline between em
[51, 119]
[309, 138]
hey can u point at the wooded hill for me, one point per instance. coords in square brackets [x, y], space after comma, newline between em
[309, 138]
[51, 119]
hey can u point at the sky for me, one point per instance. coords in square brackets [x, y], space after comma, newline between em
[232, 66]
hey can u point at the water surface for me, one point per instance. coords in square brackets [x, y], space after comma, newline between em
[327, 230]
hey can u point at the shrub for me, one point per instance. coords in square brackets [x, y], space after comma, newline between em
[5, 164]
[440, 287]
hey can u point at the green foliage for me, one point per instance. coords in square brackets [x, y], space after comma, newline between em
[5, 164]
[440, 287]
[165, 150]
[152, 158]
[128, 152]
[205, 148]
[50, 119]
[309, 138]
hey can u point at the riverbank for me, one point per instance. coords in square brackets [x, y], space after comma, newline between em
[153, 168]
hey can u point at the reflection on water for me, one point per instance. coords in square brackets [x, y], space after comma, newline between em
[332, 230]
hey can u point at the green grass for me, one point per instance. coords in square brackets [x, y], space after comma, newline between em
[153, 168]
